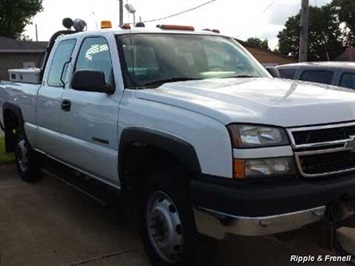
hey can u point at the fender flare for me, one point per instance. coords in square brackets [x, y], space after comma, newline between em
[10, 137]
[14, 108]
[181, 149]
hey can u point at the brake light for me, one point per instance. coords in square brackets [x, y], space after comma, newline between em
[175, 27]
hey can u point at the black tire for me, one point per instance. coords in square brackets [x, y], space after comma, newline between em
[25, 157]
[166, 220]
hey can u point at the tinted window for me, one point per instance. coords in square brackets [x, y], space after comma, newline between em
[348, 80]
[58, 65]
[319, 76]
[287, 73]
[95, 55]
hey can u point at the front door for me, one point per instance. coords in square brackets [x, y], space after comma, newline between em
[90, 122]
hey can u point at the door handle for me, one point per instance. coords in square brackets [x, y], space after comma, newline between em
[66, 105]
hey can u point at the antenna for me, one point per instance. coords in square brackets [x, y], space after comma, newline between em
[96, 24]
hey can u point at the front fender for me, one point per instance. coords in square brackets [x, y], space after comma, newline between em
[180, 149]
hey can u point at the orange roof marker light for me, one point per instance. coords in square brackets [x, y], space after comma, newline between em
[175, 27]
[126, 26]
[106, 24]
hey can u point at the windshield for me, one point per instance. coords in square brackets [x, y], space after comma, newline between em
[154, 59]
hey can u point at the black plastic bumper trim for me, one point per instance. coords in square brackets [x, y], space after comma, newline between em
[263, 199]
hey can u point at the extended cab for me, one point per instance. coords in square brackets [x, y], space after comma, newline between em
[193, 126]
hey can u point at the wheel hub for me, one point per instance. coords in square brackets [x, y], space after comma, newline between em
[22, 155]
[164, 227]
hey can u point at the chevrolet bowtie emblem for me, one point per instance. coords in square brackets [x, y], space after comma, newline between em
[350, 144]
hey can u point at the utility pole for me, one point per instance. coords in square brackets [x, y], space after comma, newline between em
[36, 30]
[304, 31]
[121, 12]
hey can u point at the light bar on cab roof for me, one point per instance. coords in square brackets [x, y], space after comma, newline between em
[126, 26]
[214, 30]
[175, 27]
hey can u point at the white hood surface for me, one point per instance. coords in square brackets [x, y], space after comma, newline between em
[278, 102]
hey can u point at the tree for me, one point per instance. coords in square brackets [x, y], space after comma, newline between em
[15, 15]
[289, 37]
[324, 37]
[345, 12]
[256, 42]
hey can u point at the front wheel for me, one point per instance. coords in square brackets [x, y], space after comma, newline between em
[25, 159]
[166, 221]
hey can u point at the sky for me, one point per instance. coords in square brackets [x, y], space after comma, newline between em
[238, 18]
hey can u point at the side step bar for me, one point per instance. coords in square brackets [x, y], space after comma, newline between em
[100, 192]
[77, 188]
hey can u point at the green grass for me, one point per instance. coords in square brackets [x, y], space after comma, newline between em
[5, 158]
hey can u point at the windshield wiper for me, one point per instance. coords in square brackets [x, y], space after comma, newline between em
[240, 76]
[162, 81]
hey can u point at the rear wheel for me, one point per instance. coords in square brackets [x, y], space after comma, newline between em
[25, 157]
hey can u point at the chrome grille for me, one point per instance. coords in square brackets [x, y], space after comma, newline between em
[324, 150]
[323, 135]
[327, 162]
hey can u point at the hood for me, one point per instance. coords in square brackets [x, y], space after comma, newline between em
[278, 102]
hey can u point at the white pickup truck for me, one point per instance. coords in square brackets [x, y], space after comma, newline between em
[193, 126]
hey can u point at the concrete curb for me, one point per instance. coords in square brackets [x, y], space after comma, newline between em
[346, 236]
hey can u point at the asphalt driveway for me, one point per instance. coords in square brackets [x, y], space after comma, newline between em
[49, 223]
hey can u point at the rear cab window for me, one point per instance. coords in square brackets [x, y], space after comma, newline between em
[347, 80]
[320, 76]
[287, 73]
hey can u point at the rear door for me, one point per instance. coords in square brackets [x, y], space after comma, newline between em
[49, 98]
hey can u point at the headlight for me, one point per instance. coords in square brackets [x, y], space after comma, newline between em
[253, 136]
[251, 168]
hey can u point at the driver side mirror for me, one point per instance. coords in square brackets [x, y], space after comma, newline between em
[92, 81]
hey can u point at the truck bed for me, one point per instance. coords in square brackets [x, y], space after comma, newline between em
[21, 94]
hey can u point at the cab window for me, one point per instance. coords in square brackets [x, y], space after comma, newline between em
[348, 80]
[320, 76]
[59, 64]
[287, 73]
[94, 54]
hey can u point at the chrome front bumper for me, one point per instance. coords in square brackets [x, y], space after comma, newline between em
[217, 225]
